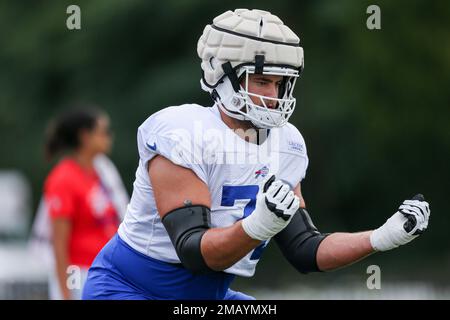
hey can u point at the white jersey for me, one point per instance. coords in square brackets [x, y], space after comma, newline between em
[195, 137]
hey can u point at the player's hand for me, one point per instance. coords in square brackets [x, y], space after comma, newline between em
[276, 204]
[406, 224]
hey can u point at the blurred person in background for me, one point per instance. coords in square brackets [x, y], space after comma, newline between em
[84, 199]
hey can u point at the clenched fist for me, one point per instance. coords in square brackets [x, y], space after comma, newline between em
[406, 224]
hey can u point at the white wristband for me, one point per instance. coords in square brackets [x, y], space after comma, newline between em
[261, 230]
[391, 234]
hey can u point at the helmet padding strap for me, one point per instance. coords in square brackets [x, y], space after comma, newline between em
[231, 74]
[259, 64]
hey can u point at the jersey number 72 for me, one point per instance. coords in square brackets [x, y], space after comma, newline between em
[232, 193]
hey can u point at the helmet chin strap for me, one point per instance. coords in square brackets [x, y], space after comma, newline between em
[224, 95]
[240, 117]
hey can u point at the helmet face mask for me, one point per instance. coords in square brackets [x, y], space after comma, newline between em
[254, 107]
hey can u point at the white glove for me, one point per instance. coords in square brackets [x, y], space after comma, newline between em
[406, 224]
[276, 204]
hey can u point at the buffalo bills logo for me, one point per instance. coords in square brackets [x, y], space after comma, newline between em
[262, 172]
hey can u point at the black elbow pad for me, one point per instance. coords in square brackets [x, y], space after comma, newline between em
[299, 242]
[186, 227]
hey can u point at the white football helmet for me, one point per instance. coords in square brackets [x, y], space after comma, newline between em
[244, 42]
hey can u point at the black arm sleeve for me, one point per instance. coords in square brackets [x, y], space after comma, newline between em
[299, 242]
[186, 227]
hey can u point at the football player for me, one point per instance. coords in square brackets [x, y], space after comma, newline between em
[215, 184]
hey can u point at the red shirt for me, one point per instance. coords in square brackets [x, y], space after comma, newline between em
[77, 194]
